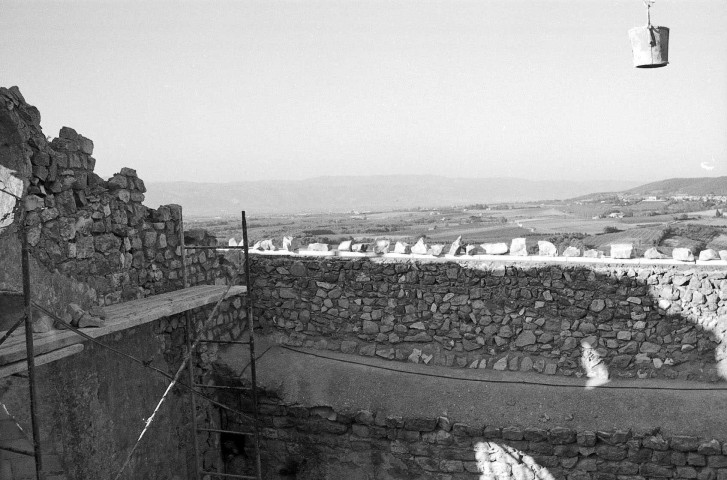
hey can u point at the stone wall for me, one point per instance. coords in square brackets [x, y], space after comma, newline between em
[322, 444]
[92, 240]
[92, 406]
[641, 321]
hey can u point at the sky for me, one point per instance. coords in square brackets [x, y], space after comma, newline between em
[220, 91]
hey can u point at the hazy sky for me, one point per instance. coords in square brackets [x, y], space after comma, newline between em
[249, 90]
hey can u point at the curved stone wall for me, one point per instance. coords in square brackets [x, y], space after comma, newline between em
[641, 321]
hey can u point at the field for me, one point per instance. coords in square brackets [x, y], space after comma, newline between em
[580, 223]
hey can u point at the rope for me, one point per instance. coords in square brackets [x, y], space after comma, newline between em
[648, 4]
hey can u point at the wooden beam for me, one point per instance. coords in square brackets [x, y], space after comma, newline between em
[122, 316]
[21, 366]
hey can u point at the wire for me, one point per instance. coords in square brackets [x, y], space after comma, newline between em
[512, 382]
[256, 359]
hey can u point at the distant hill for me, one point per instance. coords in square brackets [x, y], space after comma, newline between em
[685, 186]
[382, 192]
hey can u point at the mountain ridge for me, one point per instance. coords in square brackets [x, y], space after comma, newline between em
[684, 185]
[376, 192]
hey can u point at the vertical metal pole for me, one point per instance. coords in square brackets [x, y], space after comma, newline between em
[190, 367]
[253, 377]
[30, 353]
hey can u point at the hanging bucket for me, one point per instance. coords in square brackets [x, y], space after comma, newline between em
[650, 46]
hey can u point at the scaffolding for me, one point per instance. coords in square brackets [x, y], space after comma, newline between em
[191, 347]
[192, 342]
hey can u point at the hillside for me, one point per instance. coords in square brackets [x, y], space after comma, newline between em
[685, 186]
[383, 192]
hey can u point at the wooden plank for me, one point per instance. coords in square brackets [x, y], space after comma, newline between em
[122, 317]
[21, 366]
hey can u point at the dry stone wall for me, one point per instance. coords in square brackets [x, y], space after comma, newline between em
[320, 443]
[92, 240]
[641, 321]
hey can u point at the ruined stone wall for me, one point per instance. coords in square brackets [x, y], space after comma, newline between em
[642, 321]
[322, 444]
[93, 242]
[95, 236]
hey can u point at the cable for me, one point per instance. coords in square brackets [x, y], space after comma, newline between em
[257, 358]
[512, 382]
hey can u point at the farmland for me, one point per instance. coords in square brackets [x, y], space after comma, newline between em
[582, 223]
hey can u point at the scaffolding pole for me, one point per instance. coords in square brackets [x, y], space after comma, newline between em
[190, 367]
[192, 344]
[253, 377]
[30, 353]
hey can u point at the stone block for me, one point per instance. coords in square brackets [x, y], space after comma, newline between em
[402, 248]
[562, 435]
[456, 247]
[711, 447]
[494, 248]
[527, 337]
[547, 249]
[611, 452]
[684, 443]
[369, 327]
[85, 145]
[656, 471]
[655, 442]
[682, 254]
[420, 424]
[518, 247]
[621, 250]
[364, 417]
[654, 254]
[451, 466]
[512, 433]
[717, 461]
